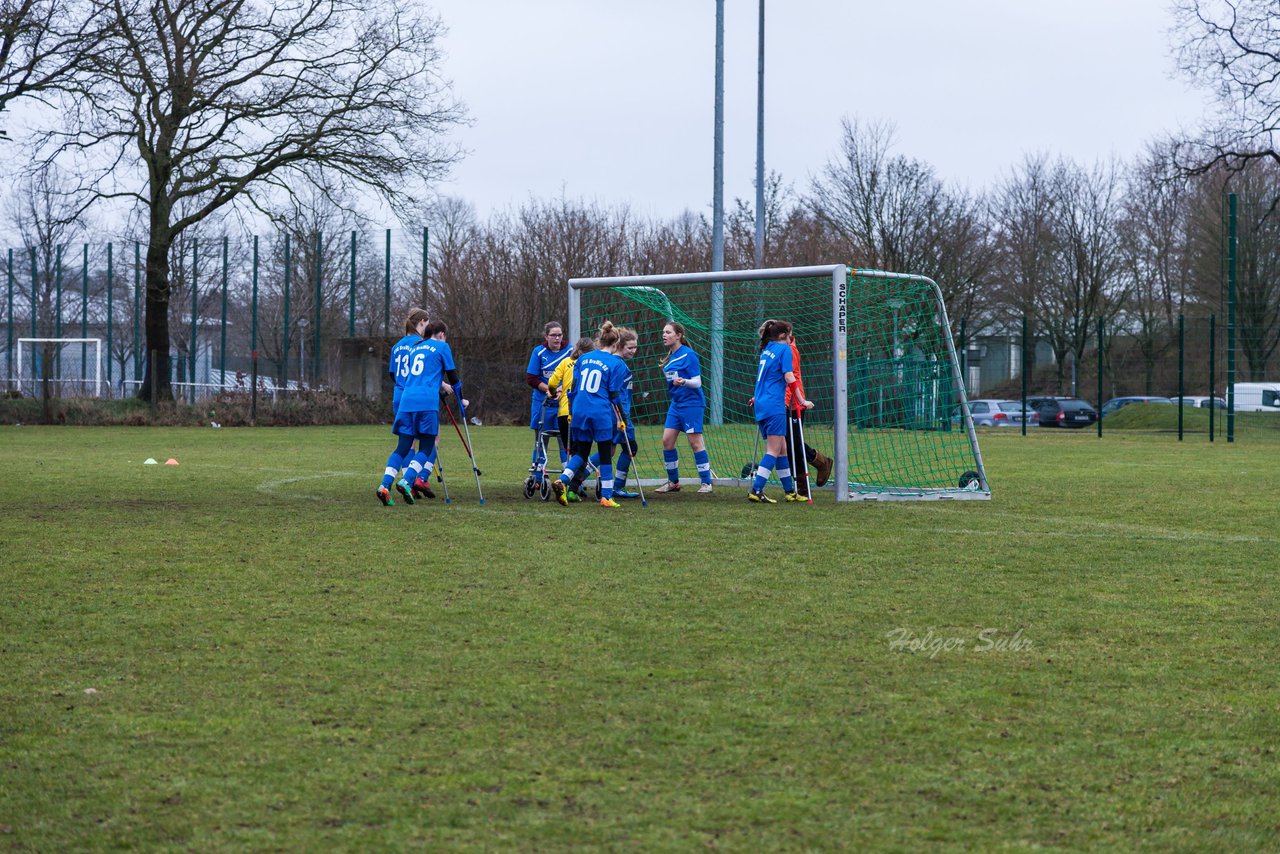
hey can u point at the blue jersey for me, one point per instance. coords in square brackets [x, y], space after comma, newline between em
[399, 366]
[771, 381]
[428, 361]
[683, 363]
[542, 363]
[599, 380]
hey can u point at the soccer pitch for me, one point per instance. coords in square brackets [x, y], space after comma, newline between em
[247, 651]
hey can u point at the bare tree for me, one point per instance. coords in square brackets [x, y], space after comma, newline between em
[1257, 257]
[198, 105]
[1156, 257]
[893, 213]
[1232, 47]
[1083, 290]
[43, 43]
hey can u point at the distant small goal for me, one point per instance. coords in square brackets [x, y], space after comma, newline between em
[69, 364]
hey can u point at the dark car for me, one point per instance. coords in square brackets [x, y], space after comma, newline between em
[1063, 411]
[1120, 402]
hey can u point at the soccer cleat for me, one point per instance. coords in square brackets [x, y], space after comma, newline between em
[622, 493]
[405, 490]
[571, 496]
[795, 496]
[760, 498]
[422, 489]
[609, 502]
[384, 495]
[557, 486]
[667, 487]
[823, 465]
[704, 489]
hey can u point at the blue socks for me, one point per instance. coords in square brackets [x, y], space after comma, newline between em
[671, 459]
[703, 461]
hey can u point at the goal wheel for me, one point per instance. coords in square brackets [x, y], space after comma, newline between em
[971, 480]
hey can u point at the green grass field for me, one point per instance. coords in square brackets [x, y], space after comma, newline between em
[246, 651]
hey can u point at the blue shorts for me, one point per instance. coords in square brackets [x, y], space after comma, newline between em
[773, 425]
[598, 427]
[425, 423]
[685, 419]
[548, 414]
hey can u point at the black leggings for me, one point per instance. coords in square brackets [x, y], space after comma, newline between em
[563, 422]
[583, 449]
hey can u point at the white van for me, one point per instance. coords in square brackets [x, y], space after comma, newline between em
[1257, 397]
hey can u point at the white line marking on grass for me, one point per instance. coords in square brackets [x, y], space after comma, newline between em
[272, 487]
[1109, 531]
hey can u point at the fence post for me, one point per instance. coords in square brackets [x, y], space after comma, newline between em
[195, 309]
[111, 278]
[1181, 388]
[351, 312]
[253, 308]
[1023, 371]
[8, 347]
[425, 256]
[1213, 382]
[288, 280]
[1231, 317]
[253, 380]
[386, 298]
[57, 315]
[222, 340]
[34, 301]
[137, 308]
[84, 312]
[1099, 377]
[315, 354]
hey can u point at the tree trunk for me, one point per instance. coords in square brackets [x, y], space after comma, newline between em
[157, 316]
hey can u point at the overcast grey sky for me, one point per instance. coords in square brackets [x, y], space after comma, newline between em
[613, 101]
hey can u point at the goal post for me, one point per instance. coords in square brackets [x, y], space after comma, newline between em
[877, 359]
[60, 343]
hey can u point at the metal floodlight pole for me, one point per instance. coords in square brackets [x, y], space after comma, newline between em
[760, 145]
[716, 414]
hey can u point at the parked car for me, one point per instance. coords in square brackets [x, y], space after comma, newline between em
[996, 413]
[1257, 397]
[1203, 402]
[1120, 402]
[1063, 411]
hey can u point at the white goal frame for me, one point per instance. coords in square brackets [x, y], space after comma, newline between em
[838, 274]
[97, 359]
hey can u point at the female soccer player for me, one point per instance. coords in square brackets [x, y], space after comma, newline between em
[684, 385]
[414, 325]
[560, 386]
[774, 376]
[599, 379]
[431, 370]
[542, 364]
[625, 438]
[795, 434]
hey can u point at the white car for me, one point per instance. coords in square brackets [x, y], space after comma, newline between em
[1201, 402]
[990, 412]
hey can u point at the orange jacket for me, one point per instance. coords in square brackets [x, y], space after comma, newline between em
[795, 369]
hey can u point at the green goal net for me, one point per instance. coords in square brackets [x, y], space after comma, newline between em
[885, 380]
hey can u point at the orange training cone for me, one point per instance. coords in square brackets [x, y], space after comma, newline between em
[171, 462]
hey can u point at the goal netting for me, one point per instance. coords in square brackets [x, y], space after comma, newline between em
[67, 367]
[877, 359]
